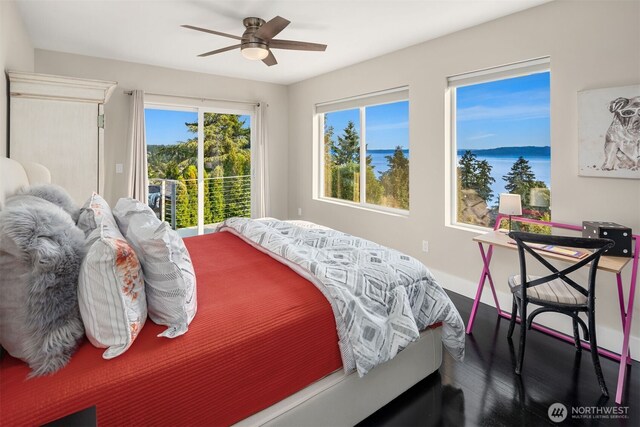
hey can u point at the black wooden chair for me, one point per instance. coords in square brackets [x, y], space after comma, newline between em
[556, 292]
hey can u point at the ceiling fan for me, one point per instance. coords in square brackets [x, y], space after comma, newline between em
[258, 40]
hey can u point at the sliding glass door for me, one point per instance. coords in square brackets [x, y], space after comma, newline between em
[200, 167]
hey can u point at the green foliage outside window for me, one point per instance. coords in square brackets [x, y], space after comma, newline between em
[520, 180]
[475, 195]
[475, 175]
[342, 171]
[227, 153]
[395, 181]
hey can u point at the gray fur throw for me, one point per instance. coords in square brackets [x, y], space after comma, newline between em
[56, 195]
[41, 251]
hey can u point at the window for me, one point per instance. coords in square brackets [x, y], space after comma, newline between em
[365, 150]
[500, 140]
[186, 146]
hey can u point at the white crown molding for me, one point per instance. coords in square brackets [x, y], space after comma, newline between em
[45, 86]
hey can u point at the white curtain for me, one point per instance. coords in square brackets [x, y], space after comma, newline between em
[261, 168]
[138, 182]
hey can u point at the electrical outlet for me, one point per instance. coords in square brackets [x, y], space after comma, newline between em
[299, 211]
[119, 168]
[425, 246]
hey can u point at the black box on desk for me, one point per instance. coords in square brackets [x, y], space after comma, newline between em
[620, 234]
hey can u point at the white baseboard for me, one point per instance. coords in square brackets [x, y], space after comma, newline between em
[608, 338]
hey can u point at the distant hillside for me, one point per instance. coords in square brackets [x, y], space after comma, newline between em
[528, 151]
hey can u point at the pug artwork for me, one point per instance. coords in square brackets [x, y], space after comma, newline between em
[609, 132]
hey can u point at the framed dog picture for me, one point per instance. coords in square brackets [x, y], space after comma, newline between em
[609, 132]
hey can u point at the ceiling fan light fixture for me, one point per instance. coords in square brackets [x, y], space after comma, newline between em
[255, 53]
[258, 39]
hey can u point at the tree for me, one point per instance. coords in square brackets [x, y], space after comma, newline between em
[191, 181]
[237, 193]
[182, 154]
[347, 149]
[328, 159]
[217, 194]
[520, 180]
[170, 170]
[467, 169]
[475, 175]
[375, 190]
[484, 180]
[396, 179]
[223, 133]
[208, 202]
[345, 181]
[182, 211]
[344, 166]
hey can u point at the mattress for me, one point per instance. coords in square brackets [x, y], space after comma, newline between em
[261, 334]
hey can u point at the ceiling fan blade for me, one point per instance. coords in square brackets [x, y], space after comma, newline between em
[270, 29]
[296, 45]
[217, 33]
[224, 49]
[270, 59]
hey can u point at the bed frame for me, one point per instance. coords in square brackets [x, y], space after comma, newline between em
[338, 399]
[345, 400]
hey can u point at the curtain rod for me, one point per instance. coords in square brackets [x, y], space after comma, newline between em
[197, 98]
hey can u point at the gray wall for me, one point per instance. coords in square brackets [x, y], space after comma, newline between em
[16, 54]
[591, 45]
[168, 81]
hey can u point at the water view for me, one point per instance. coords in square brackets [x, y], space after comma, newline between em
[501, 165]
[379, 159]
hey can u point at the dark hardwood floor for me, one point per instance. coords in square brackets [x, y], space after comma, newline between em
[484, 390]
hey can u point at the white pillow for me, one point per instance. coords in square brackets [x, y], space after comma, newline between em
[111, 292]
[170, 280]
[127, 208]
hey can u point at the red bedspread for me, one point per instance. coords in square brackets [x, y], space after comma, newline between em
[261, 334]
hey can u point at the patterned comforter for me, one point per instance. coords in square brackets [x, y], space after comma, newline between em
[380, 297]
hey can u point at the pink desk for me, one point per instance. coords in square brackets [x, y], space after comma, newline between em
[607, 263]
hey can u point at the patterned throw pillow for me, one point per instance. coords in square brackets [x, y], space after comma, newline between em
[93, 213]
[170, 280]
[111, 292]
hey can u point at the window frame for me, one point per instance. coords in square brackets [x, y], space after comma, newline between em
[503, 72]
[361, 102]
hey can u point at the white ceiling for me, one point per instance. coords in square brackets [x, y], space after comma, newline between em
[149, 31]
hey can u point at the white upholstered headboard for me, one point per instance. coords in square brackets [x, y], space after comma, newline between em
[15, 175]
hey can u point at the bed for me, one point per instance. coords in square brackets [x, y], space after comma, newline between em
[262, 350]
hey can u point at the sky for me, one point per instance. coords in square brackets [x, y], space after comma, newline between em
[164, 127]
[387, 125]
[506, 113]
